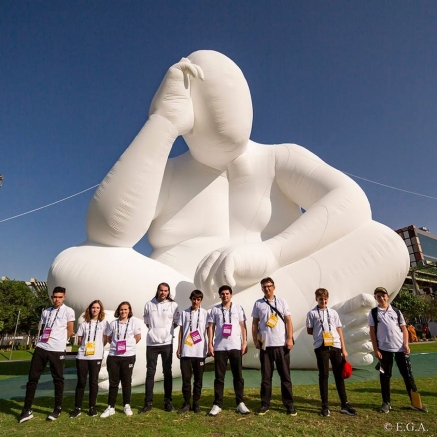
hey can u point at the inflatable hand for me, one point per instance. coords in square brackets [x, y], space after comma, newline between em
[172, 100]
[241, 264]
[353, 314]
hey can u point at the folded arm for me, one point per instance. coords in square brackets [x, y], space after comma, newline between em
[334, 204]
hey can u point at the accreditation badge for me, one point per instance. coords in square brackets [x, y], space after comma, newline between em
[45, 335]
[120, 347]
[90, 348]
[189, 341]
[328, 339]
[226, 329]
[273, 320]
[195, 335]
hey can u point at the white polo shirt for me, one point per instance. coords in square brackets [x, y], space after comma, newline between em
[123, 331]
[190, 321]
[92, 331]
[388, 333]
[219, 316]
[330, 320]
[271, 337]
[56, 319]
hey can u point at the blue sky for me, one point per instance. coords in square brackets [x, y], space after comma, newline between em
[354, 82]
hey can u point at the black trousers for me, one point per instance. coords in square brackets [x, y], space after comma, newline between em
[120, 370]
[404, 369]
[280, 356]
[324, 354]
[192, 366]
[37, 366]
[85, 368]
[220, 362]
[152, 353]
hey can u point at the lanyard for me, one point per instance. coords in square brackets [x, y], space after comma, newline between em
[50, 317]
[321, 321]
[230, 314]
[118, 329]
[198, 317]
[270, 305]
[95, 332]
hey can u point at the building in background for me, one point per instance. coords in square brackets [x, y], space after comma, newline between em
[422, 248]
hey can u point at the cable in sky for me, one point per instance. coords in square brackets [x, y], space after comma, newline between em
[94, 186]
[389, 186]
[50, 204]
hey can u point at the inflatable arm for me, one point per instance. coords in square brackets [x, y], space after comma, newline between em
[124, 205]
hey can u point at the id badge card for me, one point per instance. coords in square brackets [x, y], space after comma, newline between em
[328, 339]
[46, 335]
[120, 347]
[90, 348]
[273, 320]
[189, 341]
[195, 335]
[227, 329]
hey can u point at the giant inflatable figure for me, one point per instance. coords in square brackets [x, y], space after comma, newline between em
[229, 211]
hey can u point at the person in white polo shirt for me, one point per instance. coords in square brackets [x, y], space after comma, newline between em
[57, 321]
[227, 340]
[272, 333]
[123, 335]
[389, 336]
[92, 339]
[192, 350]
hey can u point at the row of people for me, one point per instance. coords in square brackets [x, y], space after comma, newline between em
[220, 332]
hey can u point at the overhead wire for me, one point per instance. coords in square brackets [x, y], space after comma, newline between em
[50, 204]
[94, 186]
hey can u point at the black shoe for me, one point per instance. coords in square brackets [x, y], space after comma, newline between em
[324, 412]
[54, 414]
[25, 416]
[184, 409]
[196, 408]
[291, 411]
[92, 412]
[347, 409]
[262, 410]
[75, 413]
[385, 407]
[168, 406]
[145, 409]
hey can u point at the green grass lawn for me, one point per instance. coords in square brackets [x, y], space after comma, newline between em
[9, 369]
[364, 396]
[16, 355]
[423, 347]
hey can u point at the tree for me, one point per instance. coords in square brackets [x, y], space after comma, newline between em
[17, 296]
[411, 305]
[430, 311]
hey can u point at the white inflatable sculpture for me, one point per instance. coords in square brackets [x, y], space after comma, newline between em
[229, 211]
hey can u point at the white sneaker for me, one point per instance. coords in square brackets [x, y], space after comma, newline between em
[127, 410]
[214, 410]
[242, 409]
[108, 412]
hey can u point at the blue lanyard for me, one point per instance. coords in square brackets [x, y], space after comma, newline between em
[198, 317]
[118, 329]
[230, 314]
[95, 332]
[321, 321]
[50, 316]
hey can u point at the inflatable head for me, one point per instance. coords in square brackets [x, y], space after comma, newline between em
[222, 110]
